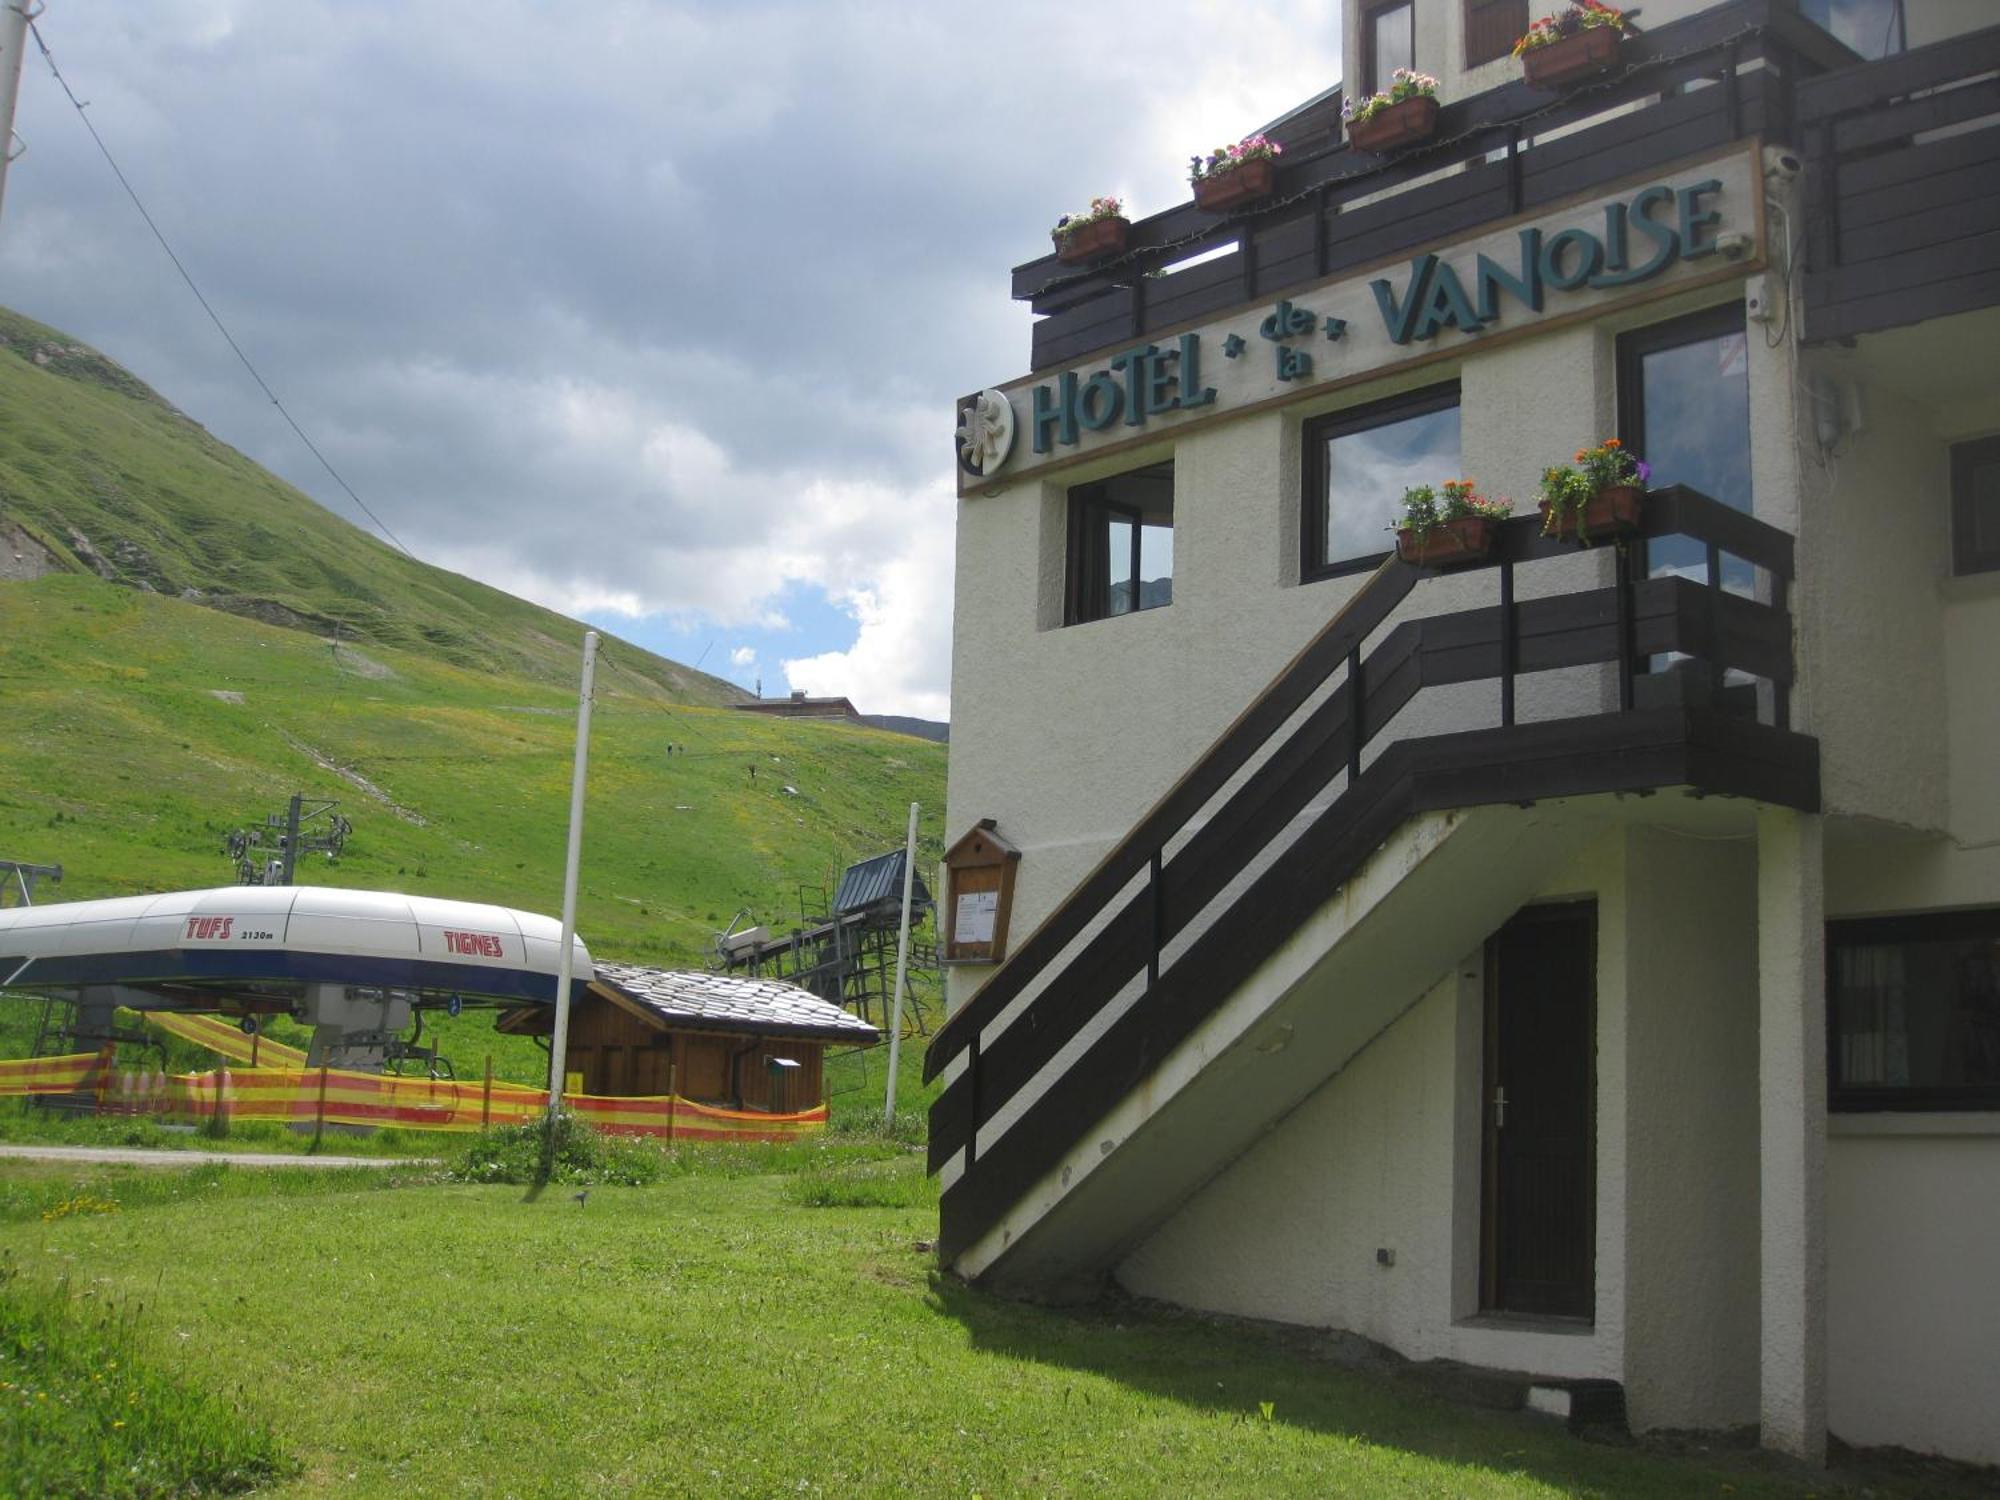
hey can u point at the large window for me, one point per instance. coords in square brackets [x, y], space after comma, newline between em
[1913, 1012]
[1388, 42]
[1872, 28]
[1357, 465]
[1121, 545]
[1492, 27]
[1975, 506]
[1684, 407]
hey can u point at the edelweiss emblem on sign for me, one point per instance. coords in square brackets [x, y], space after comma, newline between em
[985, 432]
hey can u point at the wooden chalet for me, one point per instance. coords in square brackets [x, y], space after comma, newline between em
[722, 1039]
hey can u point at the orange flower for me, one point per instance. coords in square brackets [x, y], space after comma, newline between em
[1613, 443]
[1579, 455]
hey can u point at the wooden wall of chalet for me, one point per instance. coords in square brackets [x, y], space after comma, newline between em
[620, 1055]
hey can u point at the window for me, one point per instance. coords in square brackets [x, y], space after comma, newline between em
[1357, 465]
[1975, 506]
[1684, 407]
[1871, 28]
[1388, 42]
[1913, 1012]
[1121, 545]
[1492, 27]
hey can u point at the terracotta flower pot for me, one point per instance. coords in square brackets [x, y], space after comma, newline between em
[1096, 237]
[1467, 539]
[1401, 124]
[1219, 191]
[1612, 511]
[1581, 54]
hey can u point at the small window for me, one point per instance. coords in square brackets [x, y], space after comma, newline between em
[1492, 27]
[1121, 545]
[1357, 465]
[1388, 42]
[1975, 506]
[1913, 1012]
[1870, 28]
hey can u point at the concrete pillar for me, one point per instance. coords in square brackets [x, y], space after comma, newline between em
[1791, 1067]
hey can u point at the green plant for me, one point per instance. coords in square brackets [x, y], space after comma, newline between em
[1425, 509]
[1567, 488]
[1582, 15]
[1229, 158]
[1100, 209]
[561, 1149]
[1407, 85]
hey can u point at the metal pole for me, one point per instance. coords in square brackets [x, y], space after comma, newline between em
[902, 968]
[14, 18]
[291, 838]
[559, 1039]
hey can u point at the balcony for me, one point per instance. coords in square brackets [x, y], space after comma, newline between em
[1902, 216]
[1284, 813]
[1725, 75]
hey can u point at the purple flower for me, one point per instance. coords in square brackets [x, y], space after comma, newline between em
[1645, 470]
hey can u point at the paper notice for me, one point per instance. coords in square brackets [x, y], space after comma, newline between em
[975, 916]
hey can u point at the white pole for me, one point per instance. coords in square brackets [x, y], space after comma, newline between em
[559, 1039]
[902, 967]
[14, 18]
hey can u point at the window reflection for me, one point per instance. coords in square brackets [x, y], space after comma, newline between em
[1691, 421]
[1367, 463]
[1872, 28]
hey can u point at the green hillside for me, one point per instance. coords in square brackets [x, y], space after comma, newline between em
[106, 478]
[141, 727]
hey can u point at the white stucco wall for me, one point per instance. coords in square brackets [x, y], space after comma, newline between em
[1691, 1130]
[1913, 1326]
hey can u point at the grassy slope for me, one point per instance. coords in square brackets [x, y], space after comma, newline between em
[86, 448]
[708, 1336]
[120, 763]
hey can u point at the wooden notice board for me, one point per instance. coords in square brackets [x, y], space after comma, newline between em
[979, 895]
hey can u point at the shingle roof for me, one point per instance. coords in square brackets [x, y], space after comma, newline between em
[734, 1002]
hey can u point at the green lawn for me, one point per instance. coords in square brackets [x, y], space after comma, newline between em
[711, 1334]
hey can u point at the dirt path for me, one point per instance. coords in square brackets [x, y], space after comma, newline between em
[135, 1156]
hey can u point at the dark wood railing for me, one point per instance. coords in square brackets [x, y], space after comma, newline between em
[1674, 728]
[1723, 75]
[1900, 229]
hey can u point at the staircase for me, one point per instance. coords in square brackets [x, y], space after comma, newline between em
[1302, 885]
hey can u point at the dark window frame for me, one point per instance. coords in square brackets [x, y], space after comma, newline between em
[1370, 84]
[1966, 558]
[1473, 28]
[1086, 586]
[1656, 338]
[1312, 480]
[1843, 1098]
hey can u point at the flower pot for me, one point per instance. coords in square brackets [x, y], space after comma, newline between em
[1219, 191]
[1467, 539]
[1401, 124]
[1096, 237]
[1612, 511]
[1581, 54]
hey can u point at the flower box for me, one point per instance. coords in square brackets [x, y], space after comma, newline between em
[1398, 124]
[1582, 54]
[1466, 539]
[1094, 238]
[1613, 511]
[1217, 192]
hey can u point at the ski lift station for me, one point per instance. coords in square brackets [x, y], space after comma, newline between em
[357, 965]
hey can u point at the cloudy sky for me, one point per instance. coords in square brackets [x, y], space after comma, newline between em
[652, 312]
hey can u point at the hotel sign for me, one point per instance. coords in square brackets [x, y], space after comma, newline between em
[1701, 225]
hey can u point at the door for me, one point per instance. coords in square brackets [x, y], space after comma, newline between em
[1540, 1213]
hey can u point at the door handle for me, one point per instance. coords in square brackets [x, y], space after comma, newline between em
[1500, 1108]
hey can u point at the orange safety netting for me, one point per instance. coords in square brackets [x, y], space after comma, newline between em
[49, 1075]
[226, 1039]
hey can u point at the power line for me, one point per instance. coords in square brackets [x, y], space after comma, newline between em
[213, 317]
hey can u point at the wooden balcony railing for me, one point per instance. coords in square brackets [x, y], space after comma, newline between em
[1699, 726]
[1723, 75]
[1902, 220]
